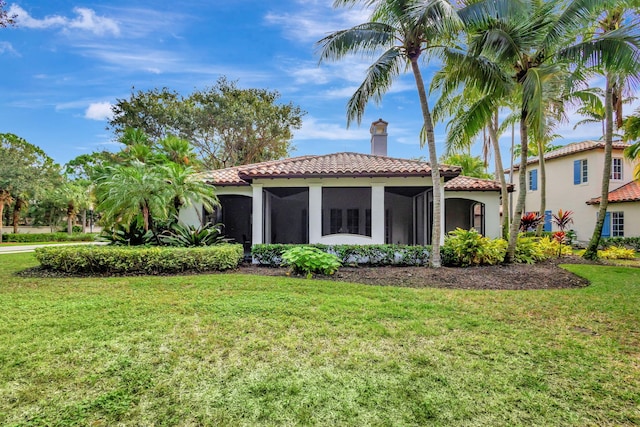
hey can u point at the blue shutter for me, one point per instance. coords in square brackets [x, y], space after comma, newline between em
[606, 227]
[533, 179]
[577, 172]
[547, 220]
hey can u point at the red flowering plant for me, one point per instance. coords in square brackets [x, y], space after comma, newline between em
[530, 221]
[562, 219]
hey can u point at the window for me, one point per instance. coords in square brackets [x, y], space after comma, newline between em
[335, 221]
[353, 221]
[533, 179]
[617, 224]
[616, 168]
[580, 172]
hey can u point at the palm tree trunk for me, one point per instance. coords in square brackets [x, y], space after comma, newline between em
[592, 249]
[435, 168]
[1, 217]
[145, 217]
[543, 189]
[84, 220]
[70, 217]
[504, 192]
[16, 213]
[522, 194]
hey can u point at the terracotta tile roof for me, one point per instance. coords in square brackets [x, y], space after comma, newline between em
[329, 165]
[627, 193]
[574, 148]
[467, 183]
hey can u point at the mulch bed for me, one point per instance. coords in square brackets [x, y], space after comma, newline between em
[544, 275]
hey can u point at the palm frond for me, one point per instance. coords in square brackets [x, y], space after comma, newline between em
[376, 83]
[360, 39]
[466, 125]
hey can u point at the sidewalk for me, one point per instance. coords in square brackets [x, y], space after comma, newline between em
[8, 249]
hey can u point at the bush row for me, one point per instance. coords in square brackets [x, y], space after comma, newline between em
[627, 242]
[374, 255]
[138, 260]
[47, 237]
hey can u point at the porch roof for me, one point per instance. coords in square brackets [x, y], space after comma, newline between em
[468, 183]
[329, 165]
[627, 193]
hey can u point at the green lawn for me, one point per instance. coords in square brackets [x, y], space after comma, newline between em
[247, 350]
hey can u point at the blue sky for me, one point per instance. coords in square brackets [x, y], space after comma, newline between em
[68, 61]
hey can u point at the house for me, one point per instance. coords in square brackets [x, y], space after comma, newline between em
[346, 198]
[574, 180]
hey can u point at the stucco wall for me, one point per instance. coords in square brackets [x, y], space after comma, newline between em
[563, 194]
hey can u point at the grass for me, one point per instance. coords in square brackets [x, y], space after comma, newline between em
[244, 350]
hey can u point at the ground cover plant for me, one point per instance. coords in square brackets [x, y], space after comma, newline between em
[231, 349]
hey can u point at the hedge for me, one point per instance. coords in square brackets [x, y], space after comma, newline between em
[48, 237]
[627, 242]
[112, 260]
[375, 255]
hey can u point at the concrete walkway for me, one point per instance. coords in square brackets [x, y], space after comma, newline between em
[9, 249]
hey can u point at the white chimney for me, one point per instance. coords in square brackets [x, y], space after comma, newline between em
[379, 137]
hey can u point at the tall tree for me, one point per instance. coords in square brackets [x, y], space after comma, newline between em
[404, 31]
[520, 48]
[25, 173]
[618, 63]
[227, 125]
[6, 20]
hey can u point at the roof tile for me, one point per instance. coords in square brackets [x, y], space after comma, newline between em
[629, 192]
[573, 148]
[467, 183]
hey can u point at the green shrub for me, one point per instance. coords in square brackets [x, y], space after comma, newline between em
[138, 260]
[617, 252]
[552, 247]
[271, 254]
[468, 247]
[529, 251]
[132, 236]
[189, 236]
[628, 242]
[47, 237]
[308, 260]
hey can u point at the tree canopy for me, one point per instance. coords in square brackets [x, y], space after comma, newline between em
[227, 125]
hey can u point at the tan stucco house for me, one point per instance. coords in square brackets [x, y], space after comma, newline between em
[574, 180]
[346, 198]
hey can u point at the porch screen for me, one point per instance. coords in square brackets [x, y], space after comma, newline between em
[346, 210]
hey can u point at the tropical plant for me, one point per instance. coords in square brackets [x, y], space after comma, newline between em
[530, 221]
[308, 260]
[468, 248]
[471, 165]
[563, 219]
[184, 235]
[128, 193]
[402, 30]
[121, 235]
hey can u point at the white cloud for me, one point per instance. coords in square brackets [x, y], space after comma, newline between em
[315, 20]
[314, 129]
[86, 20]
[99, 111]
[6, 47]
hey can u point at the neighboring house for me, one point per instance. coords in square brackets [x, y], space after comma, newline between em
[346, 198]
[574, 182]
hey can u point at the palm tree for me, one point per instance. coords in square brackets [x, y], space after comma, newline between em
[71, 195]
[126, 192]
[618, 62]
[524, 49]
[471, 165]
[402, 30]
[186, 188]
[5, 200]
